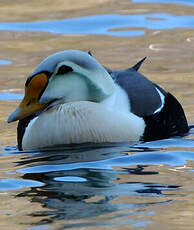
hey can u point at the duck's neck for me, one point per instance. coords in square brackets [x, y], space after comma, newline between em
[118, 101]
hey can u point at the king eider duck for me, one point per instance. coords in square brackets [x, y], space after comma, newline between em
[70, 98]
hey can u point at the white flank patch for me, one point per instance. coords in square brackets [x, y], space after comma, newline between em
[82, 122]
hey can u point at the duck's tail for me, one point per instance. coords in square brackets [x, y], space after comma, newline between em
[168, 122]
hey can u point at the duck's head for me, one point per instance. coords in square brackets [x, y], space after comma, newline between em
[63, 77]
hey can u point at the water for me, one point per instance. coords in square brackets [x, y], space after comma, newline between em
[184, 2]
[102, 185]
[10, 96]
[5, 62]
[104, 24]
[118, 186]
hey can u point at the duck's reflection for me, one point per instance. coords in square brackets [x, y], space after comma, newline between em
[87, 185]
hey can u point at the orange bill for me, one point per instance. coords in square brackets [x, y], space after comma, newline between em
[30, 104]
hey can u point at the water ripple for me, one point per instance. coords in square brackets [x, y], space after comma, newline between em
[184, 2]
[13, 184]
[5, 62]
[10, 96]
[96, 179]
[105, 24]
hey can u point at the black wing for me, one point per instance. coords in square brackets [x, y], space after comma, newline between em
[142, 93]
[163, 118]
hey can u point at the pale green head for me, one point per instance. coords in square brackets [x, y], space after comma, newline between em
[70, 75]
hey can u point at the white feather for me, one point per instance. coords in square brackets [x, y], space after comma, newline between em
[81, 122]
[95, 109]
[84, 121]
[118, 101]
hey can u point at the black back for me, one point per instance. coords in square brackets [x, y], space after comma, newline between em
[170, 121]
[142, 93]
[145, 100]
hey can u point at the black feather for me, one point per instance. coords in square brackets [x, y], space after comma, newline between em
[170, 121]
[21, 128]
[138, 65]
[64, 69]
[90, 53]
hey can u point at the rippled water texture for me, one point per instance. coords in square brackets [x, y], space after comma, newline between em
[145, 186]
[104, 24]
[184, 2]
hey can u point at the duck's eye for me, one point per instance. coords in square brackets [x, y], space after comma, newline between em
[64, 69]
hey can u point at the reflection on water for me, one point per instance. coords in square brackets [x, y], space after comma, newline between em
[83, 183]
[10, 96]
[185, 2]
[116, 186]
[5, 62]
[73, 199]
[12, 184]
[104, 24]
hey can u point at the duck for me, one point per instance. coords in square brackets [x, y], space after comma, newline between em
[70, 98]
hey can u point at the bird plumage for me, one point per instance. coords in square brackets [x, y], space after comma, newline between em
[70, 98]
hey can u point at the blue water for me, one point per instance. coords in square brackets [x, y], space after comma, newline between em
[60, 161]
[172, 158]
[184, 2]
[13, 184]
[5, 62]
[10, 96]
[102, 186]
[64, 177]
[103, 24]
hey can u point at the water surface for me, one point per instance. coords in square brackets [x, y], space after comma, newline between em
[102, 185]
[10, 96]
[184, 2]
[5, 62]
[146, 186]
[104, 24]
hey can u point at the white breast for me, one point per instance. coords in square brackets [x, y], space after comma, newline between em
[82, 122]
